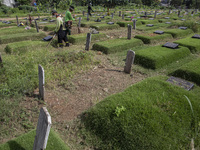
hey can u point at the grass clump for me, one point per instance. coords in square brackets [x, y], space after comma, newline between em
[153, 38]
[23, 46]
[158, 56]
[189, 71]
[81, 38]
[116, 45]
[21, 37]
[192, 43]
[25, 142]
[105, 26]
[125, 23]
[177, 33]
[151, 114]
[14, 30]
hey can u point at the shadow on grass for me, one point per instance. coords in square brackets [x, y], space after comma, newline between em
[15, 146]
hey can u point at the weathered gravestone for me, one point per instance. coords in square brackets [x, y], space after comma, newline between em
[43, 129]
[123, 16]
[155, 14]
[88, 40]
[129, 32]
[36, 26]
[1, 62]
[169, 12]
[197, 36]
[179, 12]
[88, 17]
[129, 61]
[171, 45]
[183, 28]
[17, 20]
[41, 82]
[83, 13]
[149, 25]
[181, 83]
[158, 32]
[79, 24]
[120, 13]
[112, 15]
[134, 24]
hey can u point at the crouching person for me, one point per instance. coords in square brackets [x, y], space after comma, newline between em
[59, 30]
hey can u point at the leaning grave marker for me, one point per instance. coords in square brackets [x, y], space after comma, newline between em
[41, 82]
[129, 61]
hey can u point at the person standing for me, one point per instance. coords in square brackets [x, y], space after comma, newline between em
[68, 20]
[59, 30]
[90, 9]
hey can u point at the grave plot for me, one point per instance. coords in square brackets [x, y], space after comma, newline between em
[149, 21]
[158, 56]
[177, 33]
[100, 27]
[14, 30]
[88, 24]
[125, 23]
[81, 38]
[150, 27]
[144, 116]
[23, 46]
[192, 43]
[116, 45]
[150, 38]
[21, 37]
[189, 71]
[26, 141]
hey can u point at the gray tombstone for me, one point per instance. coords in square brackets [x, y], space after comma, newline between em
[83, 13]
[120, 13]
[145, 13]
[43, 129]
[134, 24]
[179, 12]
[129, 32]
[1, 62]
[36, 26]
[38, 16]
[129, 61]
[88, 17]
[79, 22]
[88, 40]
[112, 15]
[17, 20]
[123, 16]
[155, 14]
[169, 12]
[41, 82]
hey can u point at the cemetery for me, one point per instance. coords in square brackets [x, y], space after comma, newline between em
[126, 77]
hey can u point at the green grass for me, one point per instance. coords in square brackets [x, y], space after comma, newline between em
[25, 142]
[192, 43]
[189, 71]
[14, 30]
[21, 37]
[158, 56]
[149, 21]
[7, 25]
[81, 38]
[23, 46]
[154, 38]
[50, 27]
[151, 114]
[156, 26]
[104, 26]
[125, 24]
[116, 45]
[177, 33]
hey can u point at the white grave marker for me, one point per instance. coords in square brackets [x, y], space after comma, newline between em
[41, 81]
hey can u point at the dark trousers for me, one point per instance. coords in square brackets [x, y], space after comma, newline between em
[89, 13]
[62, 36]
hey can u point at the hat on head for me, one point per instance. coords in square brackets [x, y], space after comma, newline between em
[71, 7]
[53, 11]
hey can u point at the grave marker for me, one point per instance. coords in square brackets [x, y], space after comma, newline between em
[43, 129]
[134, 24]
[169, 12]
[36, 26]
[79, 24]
[17, 20]
[41, 82]
[112, 15]
[88, 17]
[83, 13]
[123, 16]
[171, 45]
[129, 32]
[120, 13]
[179, 13]
[1, 62]
[155, 14]
[38, 16]
[88, 40]
[129, 61]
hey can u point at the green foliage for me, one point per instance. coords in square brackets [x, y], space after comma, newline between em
[26, 141]
[116, 45]
[189, 71]
[158, 56]
[192, 43]
[157, 115]
[119, 110]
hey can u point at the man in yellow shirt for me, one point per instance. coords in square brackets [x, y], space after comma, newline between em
[69, 19]
[59, 30]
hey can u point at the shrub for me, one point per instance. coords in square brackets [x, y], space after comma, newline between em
[116, 45]
[189, 71]
[158, 56]
[156, 114]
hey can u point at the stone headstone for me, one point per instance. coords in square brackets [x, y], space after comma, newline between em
[145, 13]
[88, 40]
[110, 23]
[166, 17]
[134, 24]
[83, 13]
[155, 14]
[181, 83]
[43, 130]
[88, 17]
[182, 19]
[151, 18]
[112, 15]
[120, 13]
[123, 16]
[149, 25]
[129, 32]
[179, 12]
[183, 28]
[1, 62]
[45, 19]
[36, 26]
[39, 16]
[158, 32]
[41, 82]
[197, 36]
[168, 22]
[169, 12]
[17, 20]
[52, 20]
[129, 61]
[171, 45]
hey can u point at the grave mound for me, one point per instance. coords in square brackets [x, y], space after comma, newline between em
[177, 33]
[105, 26]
